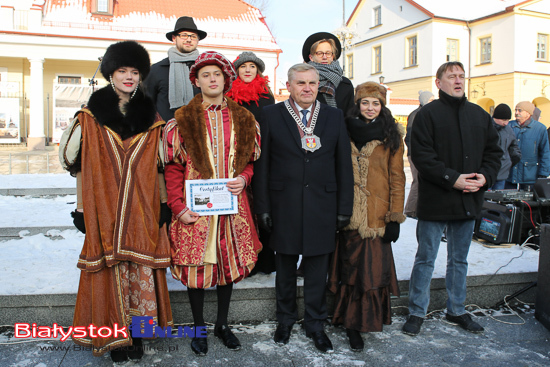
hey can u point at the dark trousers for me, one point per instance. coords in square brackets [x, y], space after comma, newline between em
[315, 281]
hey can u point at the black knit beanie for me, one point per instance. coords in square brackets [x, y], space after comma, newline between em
[502, 112]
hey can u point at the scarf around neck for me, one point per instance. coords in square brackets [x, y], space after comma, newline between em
[242, 92]
[361, 132]
[330, 77]
[180, 89]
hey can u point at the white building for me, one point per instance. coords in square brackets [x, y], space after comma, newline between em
[50, 50]
[503, 45]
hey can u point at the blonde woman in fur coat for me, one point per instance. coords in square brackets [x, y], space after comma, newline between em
[363, 271]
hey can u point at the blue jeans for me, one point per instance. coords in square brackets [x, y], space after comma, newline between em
[428, 235]
[499, 185]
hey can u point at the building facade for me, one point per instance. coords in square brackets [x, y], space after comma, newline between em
[503, 45]
[50, 51]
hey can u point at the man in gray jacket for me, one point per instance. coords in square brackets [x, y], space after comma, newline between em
[511, 154]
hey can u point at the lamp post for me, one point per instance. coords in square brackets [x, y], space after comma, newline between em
[345, 35]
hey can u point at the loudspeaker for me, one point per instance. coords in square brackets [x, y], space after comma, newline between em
[542, 187]
[542, 305]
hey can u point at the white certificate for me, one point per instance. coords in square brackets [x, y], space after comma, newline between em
[210, 197]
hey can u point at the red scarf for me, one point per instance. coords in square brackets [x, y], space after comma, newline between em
[242, 92]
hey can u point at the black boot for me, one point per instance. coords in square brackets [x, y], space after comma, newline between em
[135, 352]
[355, 340]
[226, 335]
[199, 346]
[119, 355]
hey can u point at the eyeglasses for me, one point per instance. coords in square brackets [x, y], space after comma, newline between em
[185, 36]
[321, 53]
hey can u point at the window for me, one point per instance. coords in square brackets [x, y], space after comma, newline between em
[377, 62]
[542, 47]
[377, 16]
[68, 79]
[485, 50]
[350, 66]
[21, 20]
[412, 51]
[452, 50]
[102, 6]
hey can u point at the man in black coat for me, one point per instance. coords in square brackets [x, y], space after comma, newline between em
[454, 147]
[323, 50]
[303, 192]
[168, 82]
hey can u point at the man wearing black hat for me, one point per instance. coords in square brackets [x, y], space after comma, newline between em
[322, 50]
[168, 83]
[511, 154]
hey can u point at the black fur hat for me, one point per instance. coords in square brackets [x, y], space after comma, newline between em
[125, 53]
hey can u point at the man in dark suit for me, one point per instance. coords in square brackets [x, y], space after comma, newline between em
[303, 191]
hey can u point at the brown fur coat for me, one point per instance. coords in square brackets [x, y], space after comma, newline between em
[379, 188]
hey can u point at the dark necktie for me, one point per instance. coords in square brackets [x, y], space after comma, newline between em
[304, 117]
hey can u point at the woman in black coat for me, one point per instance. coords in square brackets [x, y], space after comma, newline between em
[251, 90]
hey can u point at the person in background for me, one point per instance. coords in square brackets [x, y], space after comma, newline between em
[113, 148]
[212, 137]
[322, 50]
[511, 154]
[536, 114]
[535, 149]
[168, 83]
[363, 270]
[454, 147]
[424, 97]
[251, 90]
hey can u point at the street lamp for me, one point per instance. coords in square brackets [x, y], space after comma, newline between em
[381, 79]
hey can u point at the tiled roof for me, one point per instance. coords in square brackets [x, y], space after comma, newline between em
[219, 9]
[198, 9]
[466, 9]
[229, 23]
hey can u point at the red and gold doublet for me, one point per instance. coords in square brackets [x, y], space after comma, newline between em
[205, 142]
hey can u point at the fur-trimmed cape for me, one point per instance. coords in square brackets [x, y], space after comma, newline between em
[140, 112]
[192, 127]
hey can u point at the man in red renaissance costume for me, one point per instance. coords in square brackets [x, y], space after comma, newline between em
[211, 138]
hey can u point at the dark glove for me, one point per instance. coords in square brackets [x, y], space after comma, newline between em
[165, 214]
[264, 220]
[78, 221]
[342, 221]
[392, 232]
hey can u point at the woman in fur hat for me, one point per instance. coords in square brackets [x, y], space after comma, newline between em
[251, 90]
[211, 138]
[363, 271]
[112, 147]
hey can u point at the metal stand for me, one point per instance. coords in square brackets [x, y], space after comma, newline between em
[521, 291]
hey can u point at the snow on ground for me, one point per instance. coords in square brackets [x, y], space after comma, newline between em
[46, 264]
[26, 211]
[32, 181]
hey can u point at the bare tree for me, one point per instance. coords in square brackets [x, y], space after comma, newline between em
[263, 5]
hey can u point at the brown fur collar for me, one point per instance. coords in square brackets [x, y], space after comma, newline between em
[192, 127]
